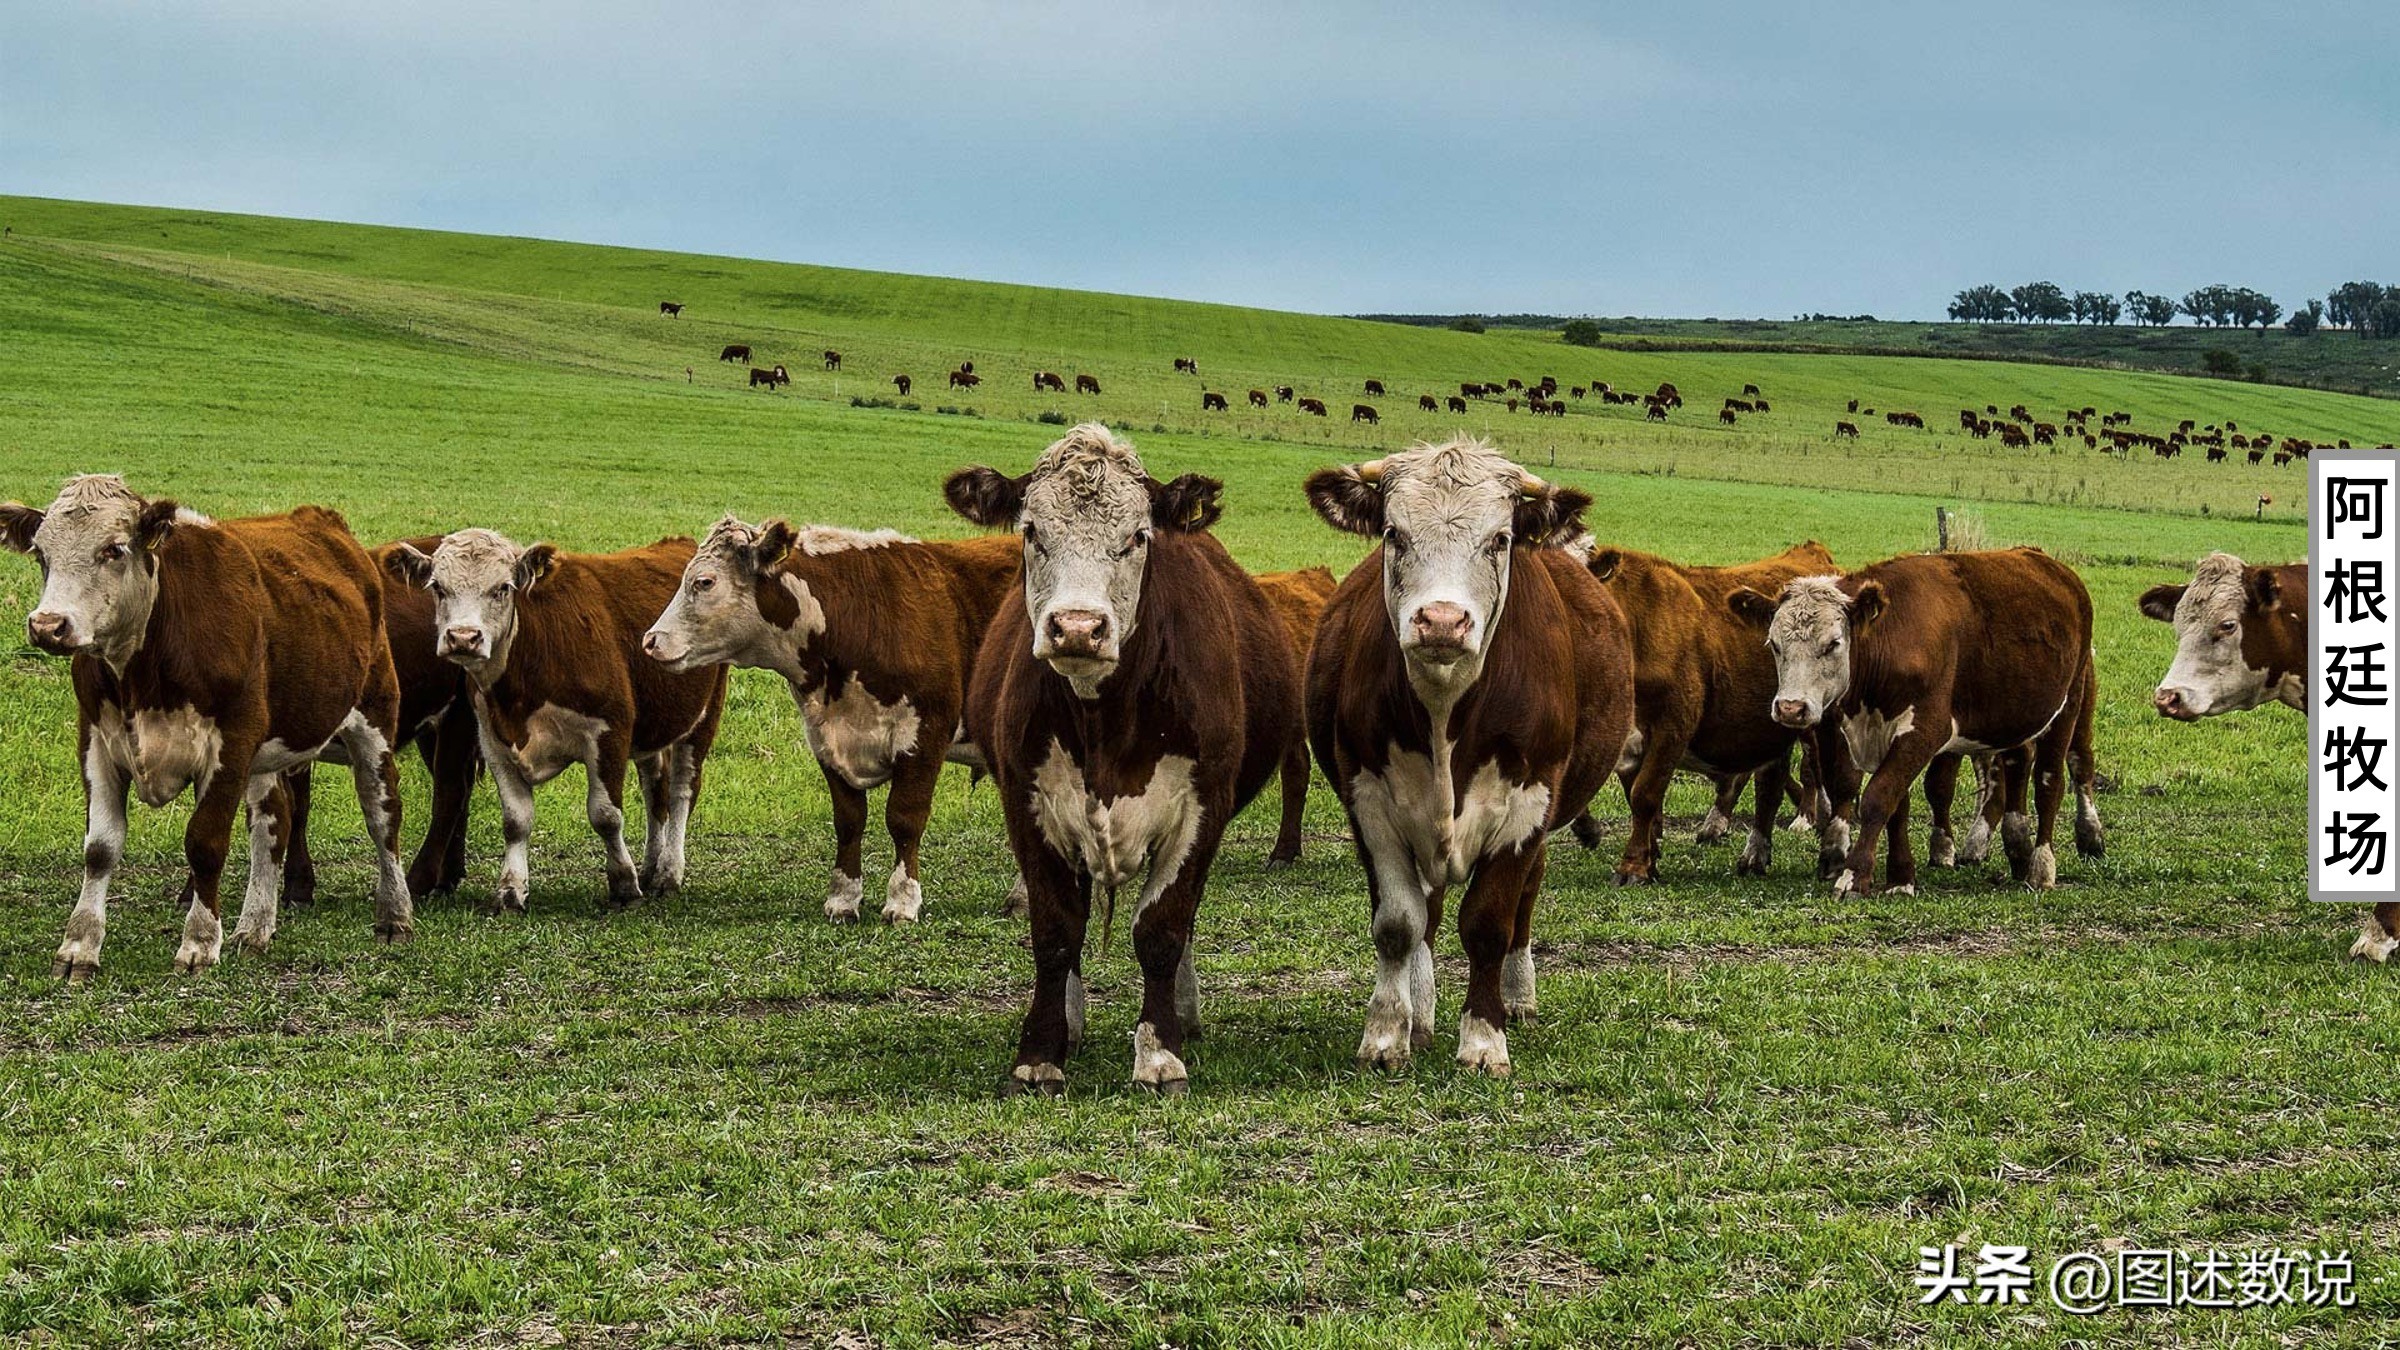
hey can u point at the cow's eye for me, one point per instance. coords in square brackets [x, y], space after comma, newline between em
[501, 591]
[1391, 536]
[703, 583]
[440, 591]
[1499, 544]
[110, 553]
[2228, 627]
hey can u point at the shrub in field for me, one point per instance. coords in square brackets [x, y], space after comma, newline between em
[1052, 419]
[1466, 323]
[2218, 361]
[1580, 333]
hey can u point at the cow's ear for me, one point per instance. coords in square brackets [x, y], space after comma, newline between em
[773, 542]
[18, 523]
[1605, 563]
[409, 563]
[1347, 500]
[534, 564]
[1867, 606]
[156, 522]
[985, 496]
[1750, 607]
[1550, 516]
[2265, 590]
[2159, 602]
[1192, 502]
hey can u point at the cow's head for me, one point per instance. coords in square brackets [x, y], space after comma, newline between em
[732, 607]
[98, 546]
[2210, 674]
[1812, 629]
[476, 577]
[1451, 518]
[1087, 512]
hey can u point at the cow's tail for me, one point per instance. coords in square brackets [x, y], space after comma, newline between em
[2090, 839]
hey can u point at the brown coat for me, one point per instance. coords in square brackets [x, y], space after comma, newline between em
[1299, 600]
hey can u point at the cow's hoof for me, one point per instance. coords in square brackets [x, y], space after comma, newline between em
[192, 963]
[1750, 865]
[298, 894]
[1168, 1087]
[1846, 884]
[252, 941]
[2375, 947]
[1482, 1047]
[1904, 888]
[77, 971]
[1035, 1080]
[1625, 878]
[1714, 829]
[1587, 831]
[395, 934]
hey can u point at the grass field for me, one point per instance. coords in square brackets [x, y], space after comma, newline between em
[715, 1119]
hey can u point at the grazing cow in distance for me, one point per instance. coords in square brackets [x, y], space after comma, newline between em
[670, 309]
[1516, 384]
[1455, 404]
[1849, 429]
[1426, 403]
[737, 352]
[1313, 406]
[1470, 391]
[1727, 416]
[1760, 405]
[1086, 384]
[1299, 599]
[1360, 412]
[2256, 456]
[214, 656]
[437, 713]
[2216, 454]
[1471, 686]
[552, 643]
[1657, 412]
[1751, 390]
[1669, 394]
[963, 378]
[833, 359]
[1905, 419]
[967, 366]
[769, 378]
[1043, 379]
[1258, 398]
[901, 383]
[1576, 390]
[1187, 365]
[1212, 402]
[1375, 387]
[1512, 405]
[1132, 695]
[1283, 393]
[876, 634]
[1919, 657]
[1853, 405]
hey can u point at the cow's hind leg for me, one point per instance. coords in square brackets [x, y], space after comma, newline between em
[1060, 913]
[104, 787]
[299, 864]
[681, 781]
[450, 757]
[1989, 796]
[2049, 789]
[2016, 825]
[2090, 839]
[375, 771]
[1295, 803]
[1766, 797]
[604, 807]
[1941, 793]
[269, 805]
[1719, 821]
[650, 774]
[906, 808]
[205, 839]
[1516, 968]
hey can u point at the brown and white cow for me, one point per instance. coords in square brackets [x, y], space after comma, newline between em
[1702, 685]
[876, 633]
[1936, 654]
[1299, 598]
[1470, 687]
[438, 714]
[215, 656]
[551, 643]
[1131, 698]
[2241, 641]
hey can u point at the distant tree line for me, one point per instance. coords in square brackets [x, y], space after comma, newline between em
[2366, 308]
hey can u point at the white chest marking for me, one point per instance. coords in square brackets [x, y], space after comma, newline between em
[162, 752]
[858, 736]
[556, 737]
[1870, 735]
[1115, 839]
[1410, 802]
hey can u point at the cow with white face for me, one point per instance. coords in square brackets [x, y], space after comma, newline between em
[213, 656]
[876, 633]
[2241, 642]
[552, 646]
[1470, 687]
[2241, 638]
[1131, 696]
[1925, 658]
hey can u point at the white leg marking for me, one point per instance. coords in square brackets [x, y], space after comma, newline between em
[103, 844]
[203, 939]
[1845, 883]
[1020, 901]
[516, 820]
[1421, 995]
[1482, 1046]
[254, 927]
[395, 911]
[1516, 982]
[903, 896]
[843, 897]
[1153, 1064]
[1757, 852]
[2373, 943]
[1713, 827]
[2044, 872]
[1944, 852]
[1978, 847]
[1187, 994]
[1075, 1002]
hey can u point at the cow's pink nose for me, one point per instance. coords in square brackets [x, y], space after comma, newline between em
[1442, 624]
[1791, 712]
[2169, 703]
[462, 639]
[51, 632]
[1078, 632]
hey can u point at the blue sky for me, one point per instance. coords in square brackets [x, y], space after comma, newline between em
[1731, 159]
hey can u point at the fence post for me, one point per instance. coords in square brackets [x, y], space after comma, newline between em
[1941, 528]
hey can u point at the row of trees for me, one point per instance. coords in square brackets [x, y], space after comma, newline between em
[2369, 309]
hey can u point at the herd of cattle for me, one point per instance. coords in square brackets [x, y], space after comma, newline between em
[1468, 688]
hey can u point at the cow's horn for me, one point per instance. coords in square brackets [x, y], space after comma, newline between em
[1532, 486]
[1370, 472]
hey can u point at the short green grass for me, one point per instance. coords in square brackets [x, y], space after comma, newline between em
[717, 1120]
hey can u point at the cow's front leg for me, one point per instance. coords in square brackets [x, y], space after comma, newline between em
[269, 804]
[1516, 968]
[604, 807]
[104, 787]
[1900, 859]
[450, 756]
[650, 775]
[1487, 924]
[1978, 847]
[1060, 911]
[2016, 824]
[1885, 796]
[1838, 782]
[682, 783]
[516, 824]
[1400, 1011]
[206, 838]
[1646, 797]
[1941, 790]
[375, 776]
[299, 863]
[842, 898]
[1719, 821]
[906, 808]
[1162, 942]
[1766, 798]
